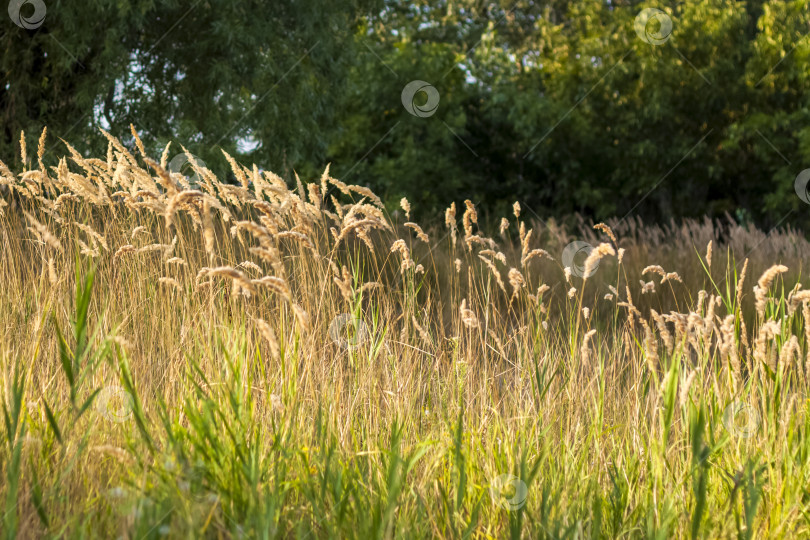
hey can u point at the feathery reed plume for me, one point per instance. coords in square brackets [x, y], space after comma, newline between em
[503, 226]
[655, 269]
[683, 395]
[123, 250]
[250, 265]
[602, 250]
[632, 312]
[789, 352]
[728, 350]
[666, 336]
[421, 331]
[470, 216]
[138, 141]
[41, 150]
[467, 315]
[275, 283]
[450, 222]
[740, 281]
[766, 333]
[23, 151]
[495, 273]
[647, 288]
[585, 351]
[164, 156]
[406, 206]
[208, 229]
[43, 232]
[709, 255]
[164, 178]
[233, 274]
[344, 283]
[516, 209]
[96, 237]
[764, 284]
[516, 281]
[140, 229]
[420, 234]
[537, 298]
[301, 317]
[370, 286]
[402, 248]
[671, 276]
[51, 272]
[607, 230]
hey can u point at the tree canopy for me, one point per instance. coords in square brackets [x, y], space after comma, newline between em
[566, 106]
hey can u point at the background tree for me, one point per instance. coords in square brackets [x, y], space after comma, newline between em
[205, 74]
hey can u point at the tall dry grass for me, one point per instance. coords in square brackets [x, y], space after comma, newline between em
[251, 359]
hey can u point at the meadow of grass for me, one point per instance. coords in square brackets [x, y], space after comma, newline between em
[186, 357]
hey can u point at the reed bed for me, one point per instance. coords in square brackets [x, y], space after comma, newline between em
[196, 357]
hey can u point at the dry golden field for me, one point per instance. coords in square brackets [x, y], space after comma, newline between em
[186, 357]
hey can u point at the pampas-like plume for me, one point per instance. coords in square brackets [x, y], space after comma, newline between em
[585, 351]
[655, 269]
[739, 288]
[420, 234]
[503, 227]
[666, 336]
[685, 386]
[43, 232]
[123, 250]
[470, 216]
[764, 283]
[232, 273]
[467, 315]
[516, 281]
[709, 255]
[671, 276]
[276, 284]
[602, 250]
[402, 248]
[607, 230]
